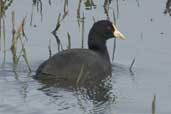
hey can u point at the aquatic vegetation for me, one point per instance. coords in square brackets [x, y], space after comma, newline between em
[78, 10]
[49, 48]
[69, 40]
[65, 9]
[18, 36]
[114, 43]
[4, 5]
[59, 20]
[54, 32]
[38, 5]
[72, 23]
[89, 4]
[106, 8]
[154, 105]
[50, 2]
[131, 66]
[82, 31]
[168, 7]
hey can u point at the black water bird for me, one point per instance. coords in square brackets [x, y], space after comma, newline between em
[82, 66]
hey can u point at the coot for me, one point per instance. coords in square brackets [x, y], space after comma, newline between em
[82, 66]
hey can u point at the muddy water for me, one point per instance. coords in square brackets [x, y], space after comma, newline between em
[148, 41]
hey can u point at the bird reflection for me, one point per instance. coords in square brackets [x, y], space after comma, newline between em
[99, 94]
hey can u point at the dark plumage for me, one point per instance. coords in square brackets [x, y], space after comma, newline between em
[83, 66]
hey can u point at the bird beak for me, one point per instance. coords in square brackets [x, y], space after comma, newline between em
[118, 34]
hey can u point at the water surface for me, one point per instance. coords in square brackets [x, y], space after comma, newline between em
[148, 41]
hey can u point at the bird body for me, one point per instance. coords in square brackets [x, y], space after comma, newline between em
[83, 66]
[71, 64]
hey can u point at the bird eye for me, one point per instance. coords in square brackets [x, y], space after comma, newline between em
[109, 28]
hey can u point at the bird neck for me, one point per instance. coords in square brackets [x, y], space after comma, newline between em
[98, 45]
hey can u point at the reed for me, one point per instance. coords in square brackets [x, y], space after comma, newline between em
[69, 40]
[117, 6]
[14, 40]
[154, 105]
[114, 43]
[59, 20]
[49, 48]
[4, 5]
[138, 3]
[78, 13]
[39, 6]
[131, 66]
[82, 32]
[26, 57]
[54, 32]
[50, 2]
[65, 9]
[106, 8]
[4, 39]
[78, 9]
[168, 7]
[89, 4]
[19, 38]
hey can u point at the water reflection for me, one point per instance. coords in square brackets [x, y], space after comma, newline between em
[98, 99]
[18, 80]
[120, 70]
[95, 98]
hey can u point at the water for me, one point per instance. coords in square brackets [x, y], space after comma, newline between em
[148, 41]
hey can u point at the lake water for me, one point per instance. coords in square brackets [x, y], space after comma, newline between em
[147, 30]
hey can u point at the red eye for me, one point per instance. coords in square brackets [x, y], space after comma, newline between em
[109, 28]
